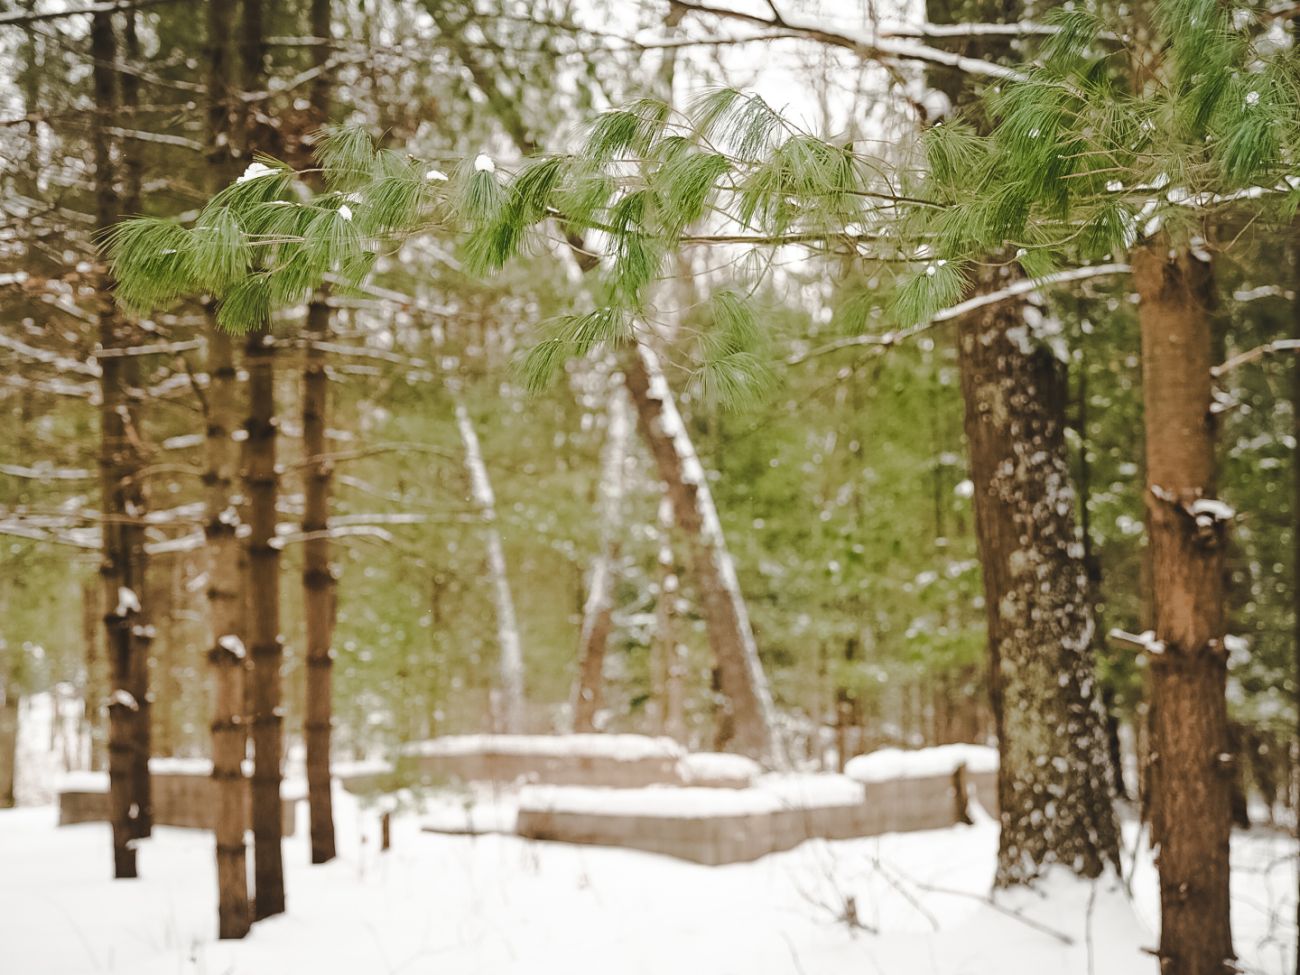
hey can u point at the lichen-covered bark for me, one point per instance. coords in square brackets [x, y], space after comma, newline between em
[598, 613]
[746, 700]
[1054, 779]
[1191, 815]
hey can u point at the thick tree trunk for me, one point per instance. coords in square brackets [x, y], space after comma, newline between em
[1039, 608]
[318, 584]
[122, 501]
[1191, 819]
[509, 709]
[225, 594]
[1295, 557]
[747, 703]
[261, 486]
[598, 613]
[227, 656]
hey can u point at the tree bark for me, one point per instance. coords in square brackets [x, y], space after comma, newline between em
[319, 587]
[121, 498]
[747, 702]
[668, 653]
[261, 486]
[227, 656]
[509, 709]
[1038, 603]
[9, 700]
[94, 687]
[1188, 666]
[1295, 558]
[225, 594]
[598, 613]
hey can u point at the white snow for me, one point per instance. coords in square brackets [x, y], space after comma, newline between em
[436, 176]
[127, 601]
[502, 905]
[232, 645]
[896, 763]
[717, 767]
[124, 698]
[1207, 511]
[483, 163]
[770, 793]
[255, 170]
[627, 748]
[345, 213]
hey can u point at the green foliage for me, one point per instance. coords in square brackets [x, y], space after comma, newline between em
[735, 367]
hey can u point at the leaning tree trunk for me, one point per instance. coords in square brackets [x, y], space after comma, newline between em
[509, 716]
[598, 613]
[317, 576]
[747, 702]
[318, 584]
[261, 483]
[1188, 663]
[1039, 607]
[121, 498]
[226, 597]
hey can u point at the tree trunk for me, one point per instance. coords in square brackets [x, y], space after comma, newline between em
[227, 656]
[747, 702]
[1295, 556]
[9, 698]
[121, 498]
[668, 653]
[94, 688]
[1038, 604]
[509, 709]
[1191, 817]
[318, 584]
[598, 613]
[225, 594]
[261, 486]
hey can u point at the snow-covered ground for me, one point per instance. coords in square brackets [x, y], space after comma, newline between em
[499, 905]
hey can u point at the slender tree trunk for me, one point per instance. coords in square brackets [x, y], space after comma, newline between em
[226, 596]
[598, 613]
[509, 716]
[94, 689]
[261, 486]
[318, 585]
[668, 652]
[317, 575]
[9, 700]
[1039, 608]
[747, 702]
[1191, 821]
